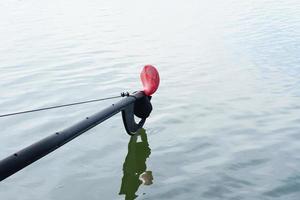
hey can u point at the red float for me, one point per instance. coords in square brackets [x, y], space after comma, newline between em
[150, 79]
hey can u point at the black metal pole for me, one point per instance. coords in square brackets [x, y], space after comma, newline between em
[32, 153]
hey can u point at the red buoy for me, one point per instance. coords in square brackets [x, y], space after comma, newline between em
[150, 79]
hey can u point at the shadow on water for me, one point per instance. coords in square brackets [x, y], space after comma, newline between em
[135, 171]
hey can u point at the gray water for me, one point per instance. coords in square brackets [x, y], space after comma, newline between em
[226, 118]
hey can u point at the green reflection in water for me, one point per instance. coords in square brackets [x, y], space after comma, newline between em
[134, 167]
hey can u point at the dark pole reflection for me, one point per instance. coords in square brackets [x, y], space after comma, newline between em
[134, 168]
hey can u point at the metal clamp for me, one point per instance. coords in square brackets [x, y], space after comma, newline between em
[140, 108]
[131, 126]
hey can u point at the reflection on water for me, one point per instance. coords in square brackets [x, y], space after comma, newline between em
[134, 167]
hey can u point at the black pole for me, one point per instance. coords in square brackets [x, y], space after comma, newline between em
[32, 153]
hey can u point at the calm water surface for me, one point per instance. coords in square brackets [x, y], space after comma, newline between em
[226, 119]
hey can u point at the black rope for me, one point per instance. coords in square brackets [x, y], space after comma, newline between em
[123, 94]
